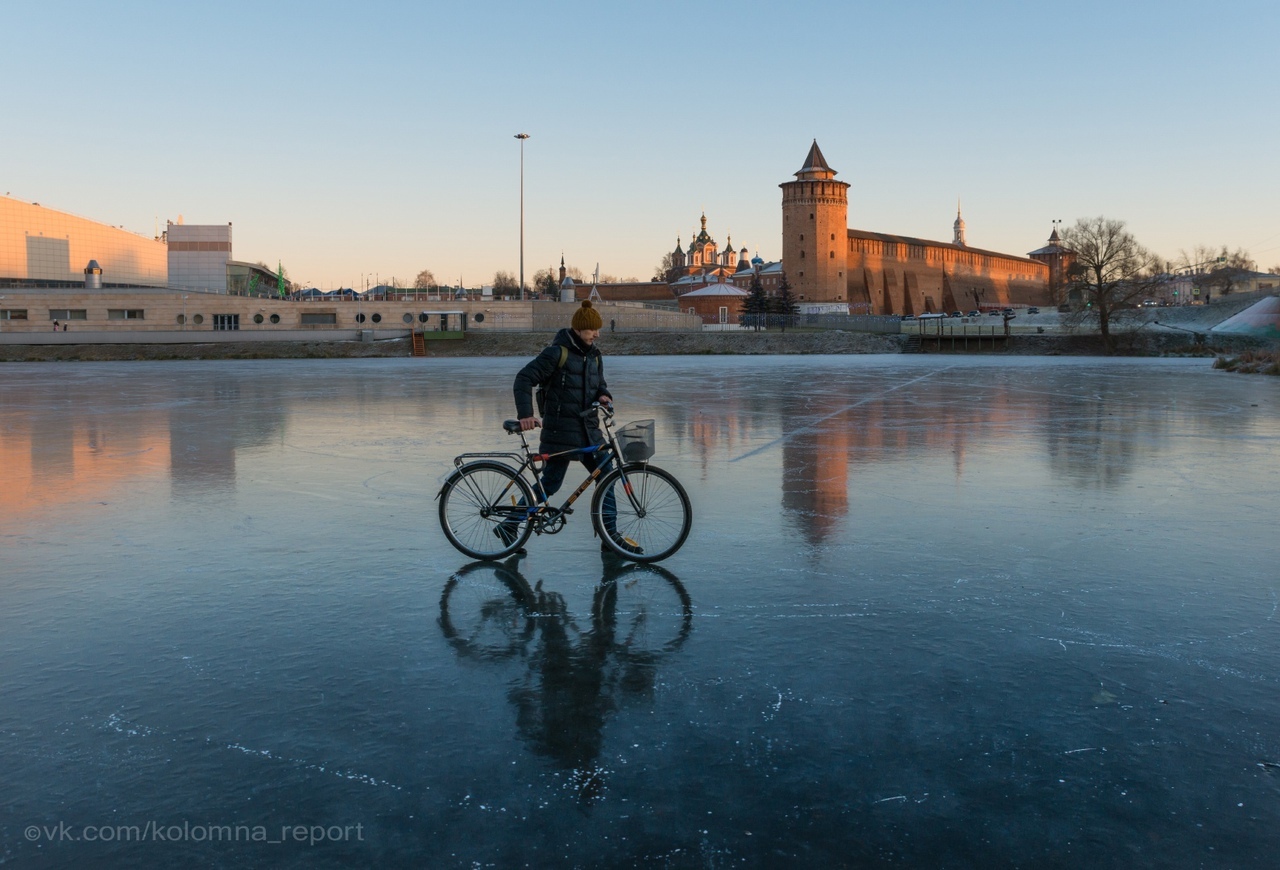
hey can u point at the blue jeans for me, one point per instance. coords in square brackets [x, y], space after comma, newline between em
[553, 473]
[553, 478]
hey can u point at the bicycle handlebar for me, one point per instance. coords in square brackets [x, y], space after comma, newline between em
[512, 427]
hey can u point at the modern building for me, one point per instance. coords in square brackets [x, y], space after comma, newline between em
[41, 247]
[44, 248]
[198, 256]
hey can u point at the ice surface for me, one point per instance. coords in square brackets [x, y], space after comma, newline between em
[932, 611]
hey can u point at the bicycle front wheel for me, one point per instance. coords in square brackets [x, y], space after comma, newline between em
[481, 510]
[652, 515]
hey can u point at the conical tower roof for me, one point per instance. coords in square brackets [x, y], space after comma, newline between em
[815, 160]
[815, 166]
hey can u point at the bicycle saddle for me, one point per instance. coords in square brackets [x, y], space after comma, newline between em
[512, 426]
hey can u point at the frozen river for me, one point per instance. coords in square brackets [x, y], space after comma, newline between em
[935, 612]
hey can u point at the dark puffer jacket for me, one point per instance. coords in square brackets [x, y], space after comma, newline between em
[570, 391]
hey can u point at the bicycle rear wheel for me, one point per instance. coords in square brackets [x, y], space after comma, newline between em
[653, 513]
[480, 510]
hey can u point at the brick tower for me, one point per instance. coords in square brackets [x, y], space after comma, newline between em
[815, 231]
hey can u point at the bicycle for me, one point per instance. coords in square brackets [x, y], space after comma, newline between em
[493, 502]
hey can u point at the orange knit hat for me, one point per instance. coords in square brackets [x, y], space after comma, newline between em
[586, 317]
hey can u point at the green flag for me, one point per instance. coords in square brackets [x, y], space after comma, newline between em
[280, 278]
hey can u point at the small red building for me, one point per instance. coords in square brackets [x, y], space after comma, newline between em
[715, 303]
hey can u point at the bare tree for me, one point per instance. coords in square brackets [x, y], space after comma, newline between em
[546, 283]
[425, 280]
[665, 271]
[1111, 269]
[505, 284]
[575, 273]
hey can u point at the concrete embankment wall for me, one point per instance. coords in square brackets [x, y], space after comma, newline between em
[518, 344]
[636, 344]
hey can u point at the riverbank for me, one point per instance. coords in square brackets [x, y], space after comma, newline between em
[525, 344]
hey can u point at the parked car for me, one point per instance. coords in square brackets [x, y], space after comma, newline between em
[908, 317]
[974, 314]
[955, 314]
[993, 313]
[1033, 310]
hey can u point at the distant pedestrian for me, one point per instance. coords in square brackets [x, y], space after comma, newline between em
[55, 326]
[65, 325]
[613, 325]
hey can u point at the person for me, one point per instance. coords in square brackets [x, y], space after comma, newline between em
[569, 390]
[55, 326]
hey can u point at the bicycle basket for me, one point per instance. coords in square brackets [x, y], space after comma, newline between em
[636, 441]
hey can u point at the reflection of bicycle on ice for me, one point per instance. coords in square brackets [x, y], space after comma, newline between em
[573, 677]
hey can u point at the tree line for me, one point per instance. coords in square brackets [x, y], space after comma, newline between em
[545, 282]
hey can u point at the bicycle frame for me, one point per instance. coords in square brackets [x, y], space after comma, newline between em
[529, 465]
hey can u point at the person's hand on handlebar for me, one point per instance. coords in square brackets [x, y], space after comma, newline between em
[527, 423]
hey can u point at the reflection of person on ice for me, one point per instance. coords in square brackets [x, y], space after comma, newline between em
[570, 376]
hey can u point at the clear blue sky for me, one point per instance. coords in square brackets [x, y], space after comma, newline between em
[377, 138]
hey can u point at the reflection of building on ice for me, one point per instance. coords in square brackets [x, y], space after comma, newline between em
[815, 469]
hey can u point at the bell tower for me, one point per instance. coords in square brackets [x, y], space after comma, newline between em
[815, 231]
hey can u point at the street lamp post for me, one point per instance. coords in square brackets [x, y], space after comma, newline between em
[522, 137]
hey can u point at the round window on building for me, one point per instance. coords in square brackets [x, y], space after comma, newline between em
[422, 318]
[480, 317]
[275, 318]
[198, 319]
[408, 318]
[257, 318]
[377, 318]
[360, 317]
[182, 318]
